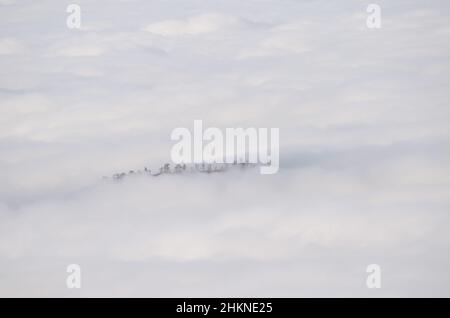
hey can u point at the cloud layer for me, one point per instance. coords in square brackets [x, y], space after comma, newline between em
[363, 117]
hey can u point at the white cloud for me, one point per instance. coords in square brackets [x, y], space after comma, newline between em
[363, 120]
[80, 51]
[7, 2]
[199, 24]
[10, 47]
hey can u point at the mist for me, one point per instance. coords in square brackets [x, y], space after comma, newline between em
[364, 152]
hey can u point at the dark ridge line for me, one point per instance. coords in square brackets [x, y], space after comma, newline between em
[183, 168]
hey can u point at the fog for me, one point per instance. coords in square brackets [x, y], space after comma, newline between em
[364, 148]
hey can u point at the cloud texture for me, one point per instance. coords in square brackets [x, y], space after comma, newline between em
[364, 131]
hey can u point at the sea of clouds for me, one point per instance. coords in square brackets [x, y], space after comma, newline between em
[364, 144]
